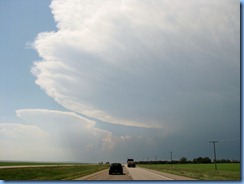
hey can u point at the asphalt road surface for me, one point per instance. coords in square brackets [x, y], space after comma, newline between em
[134, 174]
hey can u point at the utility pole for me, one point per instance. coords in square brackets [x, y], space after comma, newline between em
[171, 158]
[214, 153]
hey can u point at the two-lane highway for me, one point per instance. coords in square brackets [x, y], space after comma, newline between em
[134, 174]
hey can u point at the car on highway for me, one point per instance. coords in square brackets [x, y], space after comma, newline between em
[116, 168]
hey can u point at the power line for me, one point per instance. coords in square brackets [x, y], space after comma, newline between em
[231, 139]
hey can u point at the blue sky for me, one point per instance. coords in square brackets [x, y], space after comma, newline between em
[119, 78]
[21, 21]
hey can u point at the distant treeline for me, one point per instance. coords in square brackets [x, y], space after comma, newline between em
[183, 160]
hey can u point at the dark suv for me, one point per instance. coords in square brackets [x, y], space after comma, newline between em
[116, 168]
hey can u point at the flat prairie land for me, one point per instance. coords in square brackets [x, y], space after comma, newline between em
[58, 172]
[225, 171]
[30, 163]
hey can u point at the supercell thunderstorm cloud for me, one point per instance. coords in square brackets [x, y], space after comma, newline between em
[138, 78]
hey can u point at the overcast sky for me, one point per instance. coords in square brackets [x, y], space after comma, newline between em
[91, 80]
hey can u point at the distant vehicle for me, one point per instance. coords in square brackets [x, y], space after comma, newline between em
[131, 163]
[116, 168]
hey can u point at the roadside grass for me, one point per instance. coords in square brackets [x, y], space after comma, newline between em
[50, 173]
[228, 171]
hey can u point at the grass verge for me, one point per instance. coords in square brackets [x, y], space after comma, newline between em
[50, 172]
[229, 171]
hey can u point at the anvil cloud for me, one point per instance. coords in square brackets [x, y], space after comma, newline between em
[139, 63]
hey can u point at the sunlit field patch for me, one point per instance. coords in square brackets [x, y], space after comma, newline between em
[61, 172]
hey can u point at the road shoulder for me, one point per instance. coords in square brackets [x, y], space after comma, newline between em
[90, 176]
[168, 175]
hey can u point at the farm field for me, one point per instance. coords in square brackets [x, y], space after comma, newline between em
[31, 163]
[58, 172]
[225, 171]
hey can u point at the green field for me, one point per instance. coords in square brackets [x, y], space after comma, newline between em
[31, 163]
[59, 172]
[229, 171]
